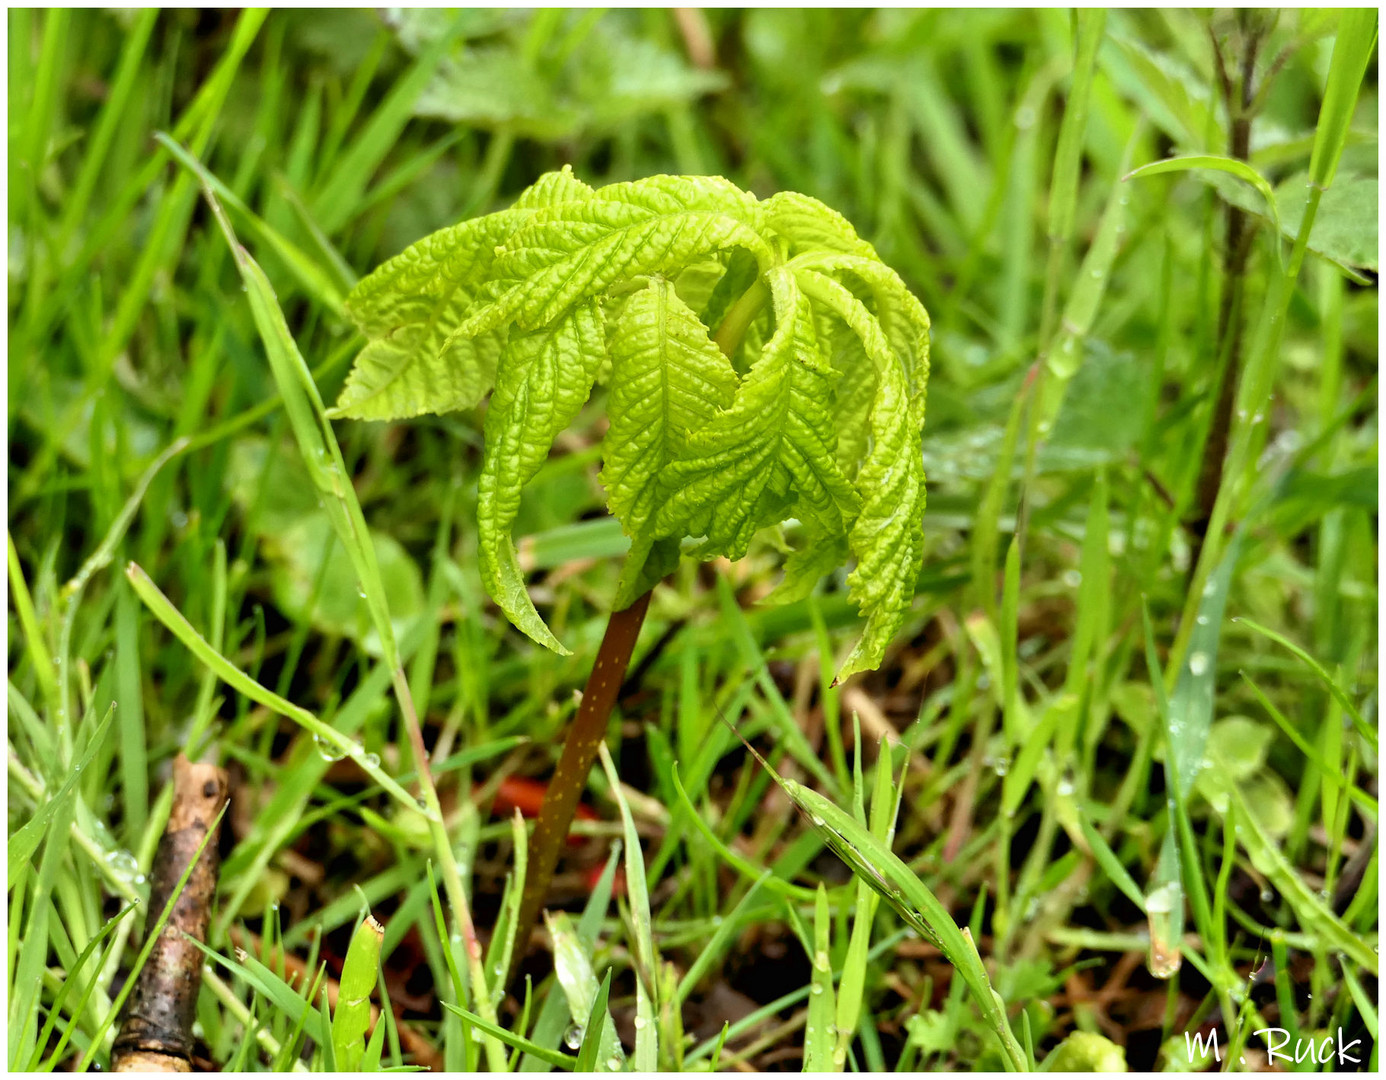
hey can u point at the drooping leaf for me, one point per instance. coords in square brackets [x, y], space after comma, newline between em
[775, 448]
[543, 380]
[887, 537]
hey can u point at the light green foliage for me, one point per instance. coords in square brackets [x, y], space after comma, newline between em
[352, 1015]
[1086, 1051]
[723, 420]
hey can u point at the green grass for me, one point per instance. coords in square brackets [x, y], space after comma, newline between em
[1133, 766]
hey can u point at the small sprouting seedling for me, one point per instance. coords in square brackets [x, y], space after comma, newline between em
[352, 1017]
[763, 366]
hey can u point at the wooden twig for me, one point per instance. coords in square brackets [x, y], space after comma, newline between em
[697, 37]
[156, 1028]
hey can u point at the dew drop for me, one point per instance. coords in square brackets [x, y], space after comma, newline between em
[1198, 663]
[572, 1038]
[818, 821]
[817, 988]
[326, 750]
[1202, 620]
[1267, 896]
[371, 761]
[1160, 901]
[614, 1064]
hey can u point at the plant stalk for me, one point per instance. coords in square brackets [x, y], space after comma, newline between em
[1237, 251]
[599, 697]
[579, 751]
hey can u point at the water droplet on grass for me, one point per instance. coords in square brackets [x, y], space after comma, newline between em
[572, 1038]
[1198, 663]
[326, 750]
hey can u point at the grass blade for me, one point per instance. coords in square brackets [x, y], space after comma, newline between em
[643, 948]
[819, 1032]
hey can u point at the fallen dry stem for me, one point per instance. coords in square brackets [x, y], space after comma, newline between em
[156, 1027]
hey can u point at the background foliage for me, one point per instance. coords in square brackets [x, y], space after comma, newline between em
[1065, 635]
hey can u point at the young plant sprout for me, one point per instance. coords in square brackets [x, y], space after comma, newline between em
[763, 367]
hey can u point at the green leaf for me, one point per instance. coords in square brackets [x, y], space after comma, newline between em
[1346, 227]
[573, 251]
[773, 451]
[1232, 166]
[1238, 745]
[887, 537]
[353, 1013]
[1169, 93]
[1086, 1051]
[1352, 51]
[642, 938]
[810, 411]
[667, 381]
[819, 1030]
[516, 1042]
[410, 309]
[25, 841]
[313, 578]
[543, 380]
[813, 226]
[872, 861]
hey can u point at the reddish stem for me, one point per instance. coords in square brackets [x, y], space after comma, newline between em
[579, 751]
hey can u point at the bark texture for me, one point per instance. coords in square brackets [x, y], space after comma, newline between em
[156, 1024]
